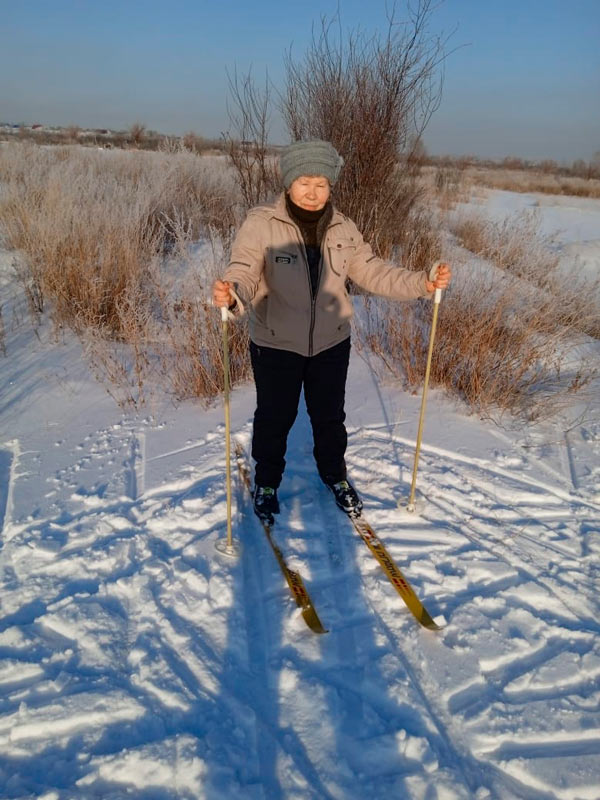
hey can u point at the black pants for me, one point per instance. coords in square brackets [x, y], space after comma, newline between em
[279, 376]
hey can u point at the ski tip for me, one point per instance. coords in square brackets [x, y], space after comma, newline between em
[439, 622]
[312, 620]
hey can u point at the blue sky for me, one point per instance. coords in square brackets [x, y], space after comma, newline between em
[524, 77]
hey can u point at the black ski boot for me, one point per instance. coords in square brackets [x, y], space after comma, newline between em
[266, 503]
[346, 497]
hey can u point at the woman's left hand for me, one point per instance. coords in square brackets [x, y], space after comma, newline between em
[442, 278]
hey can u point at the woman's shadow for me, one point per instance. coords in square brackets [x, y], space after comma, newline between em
[325, 719]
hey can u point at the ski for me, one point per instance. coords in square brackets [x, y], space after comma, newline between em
[391, 569]
[293, 578]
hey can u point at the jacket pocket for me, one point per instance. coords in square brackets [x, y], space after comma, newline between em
[340, 255]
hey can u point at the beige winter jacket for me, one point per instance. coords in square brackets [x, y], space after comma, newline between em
[271, 277]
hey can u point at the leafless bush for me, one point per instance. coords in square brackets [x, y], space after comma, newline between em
[137, 133]
[200, 144]
[173, 342]
[372, 98]
[249, 151]
[186, 329]
[72, 133]
[445, 185]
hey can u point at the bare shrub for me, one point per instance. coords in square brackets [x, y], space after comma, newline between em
[446, 185]
[200, 144]
[420, 243]
[72, 133]
[372, 98]
[171, 338]
[137, 133]
[249, 152]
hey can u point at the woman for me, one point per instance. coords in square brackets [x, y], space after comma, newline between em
[289, 265]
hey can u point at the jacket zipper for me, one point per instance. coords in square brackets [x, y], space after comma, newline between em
[313, 300]
[313, 296]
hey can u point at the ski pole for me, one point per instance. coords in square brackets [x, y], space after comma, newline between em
[436, 304]
[227, 546]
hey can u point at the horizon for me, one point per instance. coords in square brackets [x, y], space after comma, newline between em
[520, 80]
[151, 132]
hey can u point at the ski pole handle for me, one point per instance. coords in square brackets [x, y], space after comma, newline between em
[432, 276]
[224, 314]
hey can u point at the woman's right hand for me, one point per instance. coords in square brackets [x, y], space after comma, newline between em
[222, 294]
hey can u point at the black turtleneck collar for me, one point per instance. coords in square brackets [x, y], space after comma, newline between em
[302, 214]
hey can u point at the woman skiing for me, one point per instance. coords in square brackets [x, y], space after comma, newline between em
[289, 265]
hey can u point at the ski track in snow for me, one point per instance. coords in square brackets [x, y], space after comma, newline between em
[127, 643]
[135, 661]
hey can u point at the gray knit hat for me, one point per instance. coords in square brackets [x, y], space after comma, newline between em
[313, 157]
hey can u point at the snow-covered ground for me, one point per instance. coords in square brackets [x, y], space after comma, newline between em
[135, 661]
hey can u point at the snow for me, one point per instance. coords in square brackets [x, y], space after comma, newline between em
[571, 222]
[136, 661]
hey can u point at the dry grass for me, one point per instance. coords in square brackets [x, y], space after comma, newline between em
[512, 329]
[513, 244]
[110, 247]
[92, 222]
[175, 342]
[494, 352]
[99, 231]
[514, 180]
[454, 182]
[517, 246]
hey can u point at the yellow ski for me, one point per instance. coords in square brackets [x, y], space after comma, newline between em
[294, 579]
[397, 579]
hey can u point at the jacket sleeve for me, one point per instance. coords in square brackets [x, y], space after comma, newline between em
[382, 277]
[246, 263]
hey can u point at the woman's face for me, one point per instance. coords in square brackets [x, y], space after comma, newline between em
[310, 192]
